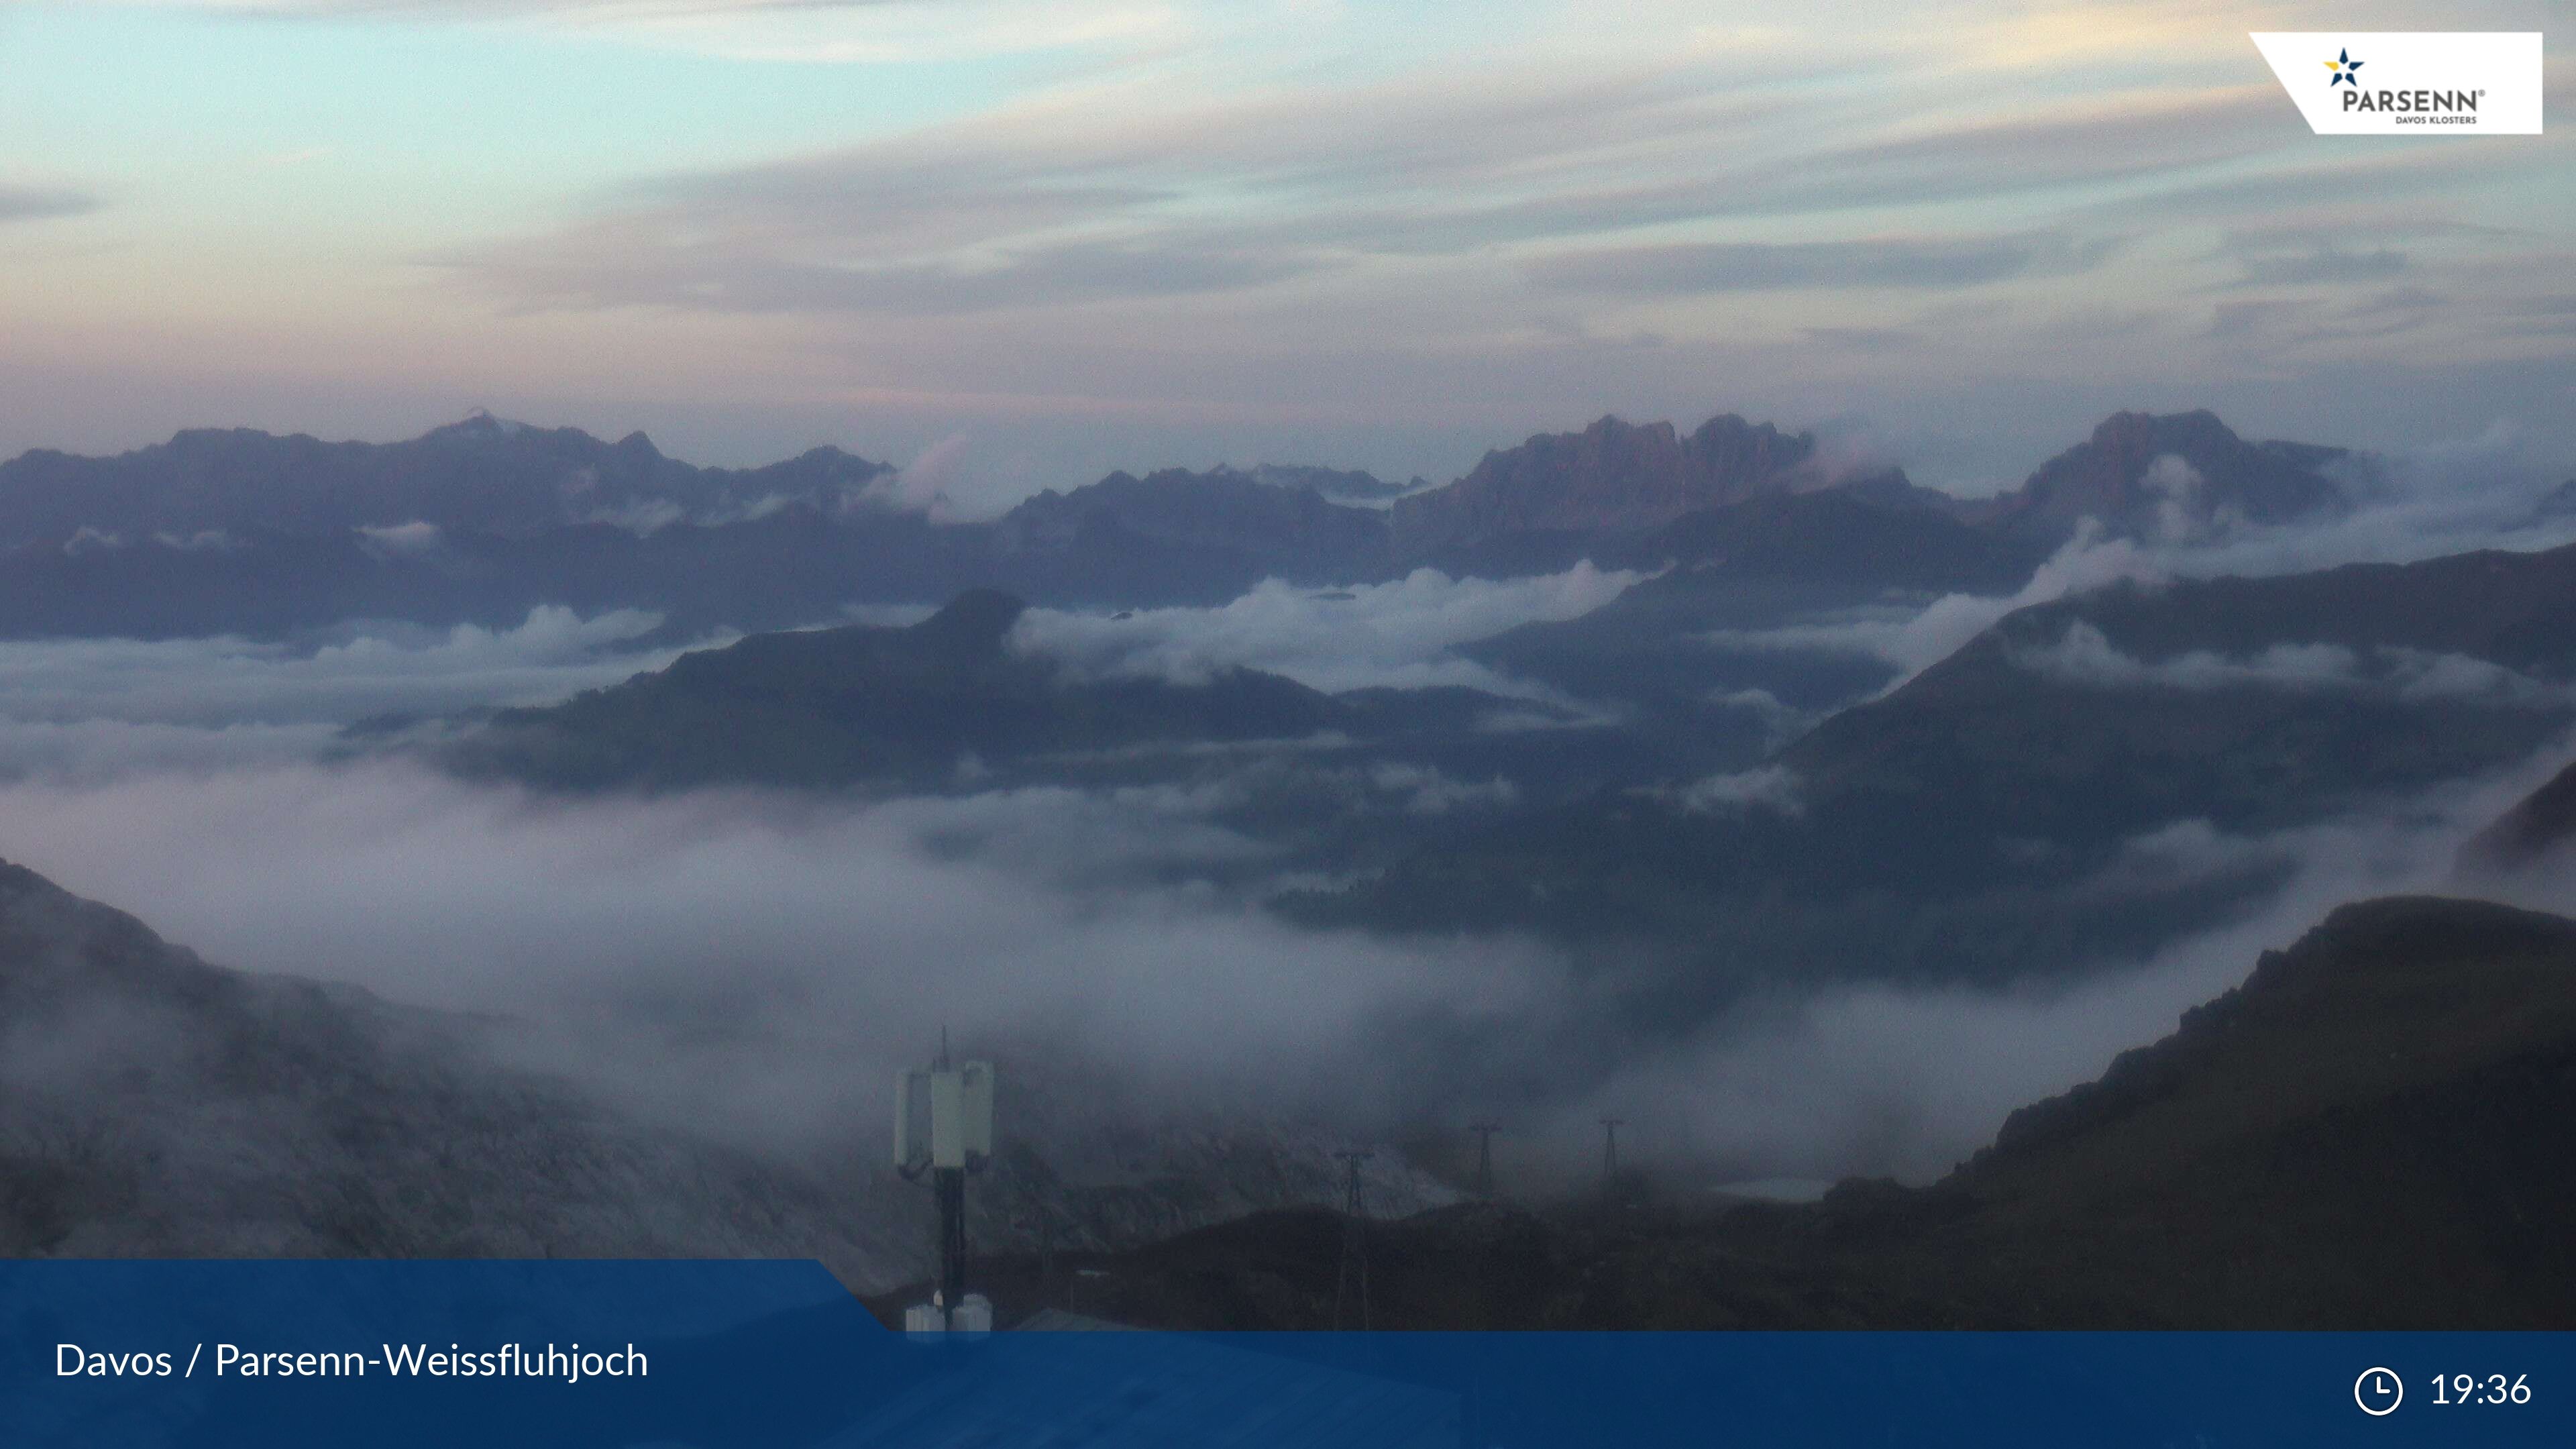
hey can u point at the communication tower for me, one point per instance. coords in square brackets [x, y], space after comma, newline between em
[943, 1128]
[1485, 1157]
[1352, 1281]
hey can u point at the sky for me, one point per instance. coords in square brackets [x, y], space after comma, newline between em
[1049, 240]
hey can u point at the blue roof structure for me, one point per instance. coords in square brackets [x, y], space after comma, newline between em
[1064, 1380]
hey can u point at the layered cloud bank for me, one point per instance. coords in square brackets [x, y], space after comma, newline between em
[2084, 656]
[1374, 635]
[759, 961]
[94, 708]
[753, 965]
[1885, 1079]
[756, 961]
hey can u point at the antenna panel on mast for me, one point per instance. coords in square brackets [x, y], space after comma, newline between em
[975, 1109]
[947, 1119]
[943, 1117]
[911, 1119]
[943, 1128]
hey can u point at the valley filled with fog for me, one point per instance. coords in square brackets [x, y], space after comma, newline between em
[748, 962]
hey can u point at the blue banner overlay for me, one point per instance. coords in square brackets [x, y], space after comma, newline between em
[756, 1354]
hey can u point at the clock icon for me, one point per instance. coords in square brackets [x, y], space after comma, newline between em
[2378, 1392]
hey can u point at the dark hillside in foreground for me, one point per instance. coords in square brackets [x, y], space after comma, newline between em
[2369, 1133]
[217, 1113]
[153, 1104]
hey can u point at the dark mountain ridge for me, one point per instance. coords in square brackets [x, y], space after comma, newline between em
[2120, 477]
[1331, 783]
[242, 532]
[1750, 566]
[1231, 529]
[1613, 478]
[153, 1104]
[2346, 1141]
[869, 704]
[481, 475]
[2532, 832]
[1342, 485]
[235, 531]
[1944, 830]
[209, 1112]
[1613, 474]
[2173, 684]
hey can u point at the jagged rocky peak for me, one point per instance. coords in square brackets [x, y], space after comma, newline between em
[2168, 477]
[977, 620]
[1612, 476]
[480, 425]
[1212, 534]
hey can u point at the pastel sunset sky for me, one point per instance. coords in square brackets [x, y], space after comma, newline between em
[1052, 239]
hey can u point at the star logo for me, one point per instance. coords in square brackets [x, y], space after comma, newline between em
[2344, 69]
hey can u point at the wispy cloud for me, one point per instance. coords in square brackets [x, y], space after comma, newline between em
[1393, 634]
[2299, 254]
[561, 273]
[740, 959]
[1909, 1080]
[1213, 221]
[217, 684]
[1900, 262]
[800, 32]
[1121, 189]
[2084, 656]
[39, 203]
[2325, 264]
[1108, 192]
[633, 11]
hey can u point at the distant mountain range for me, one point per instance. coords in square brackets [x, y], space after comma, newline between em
[2010, 810]
[2343, 1142]
[1694, 810]
[209, 488]
[1543, 503]
[1753, 566]
[480, 521]
[1998, 814]
[1191, 535]
[902, 707]
[955, 703]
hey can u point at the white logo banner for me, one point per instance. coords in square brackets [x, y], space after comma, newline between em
[2437, 83]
